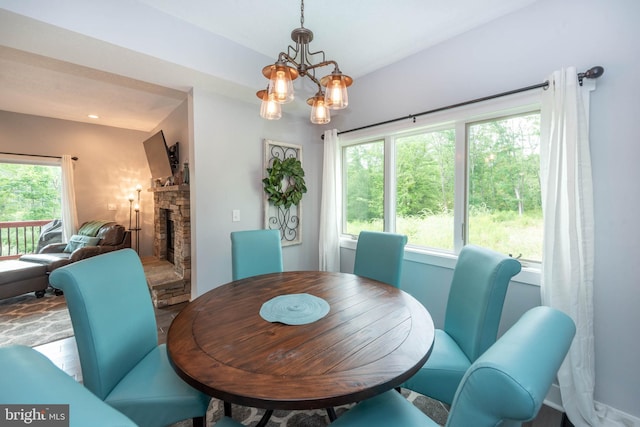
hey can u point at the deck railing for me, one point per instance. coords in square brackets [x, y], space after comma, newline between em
[19, 237]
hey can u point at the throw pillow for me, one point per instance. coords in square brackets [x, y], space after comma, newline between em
[76, 242]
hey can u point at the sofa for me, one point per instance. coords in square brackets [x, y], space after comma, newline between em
[93, 238]
[31, 271]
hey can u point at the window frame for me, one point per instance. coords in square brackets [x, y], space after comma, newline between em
[459, 119]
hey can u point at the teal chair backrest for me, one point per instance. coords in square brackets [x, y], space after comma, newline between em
[478, 288]
[379, 256]
[255, 252]
[507, 384]
[112, 315]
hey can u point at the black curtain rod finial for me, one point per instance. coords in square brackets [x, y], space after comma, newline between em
[591, 73]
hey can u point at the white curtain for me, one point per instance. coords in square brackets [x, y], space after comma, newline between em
[69, 213]
[568, 253]
[330, 205]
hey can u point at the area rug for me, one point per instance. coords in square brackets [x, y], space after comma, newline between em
[32, 321]
[312, 418]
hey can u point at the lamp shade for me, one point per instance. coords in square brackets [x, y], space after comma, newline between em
[281, 78]
[336, 83]
[320, 114]
[269, 109]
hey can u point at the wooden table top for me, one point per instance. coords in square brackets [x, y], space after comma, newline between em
[373, 339]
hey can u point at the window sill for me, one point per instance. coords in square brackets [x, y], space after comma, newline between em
[529, 275]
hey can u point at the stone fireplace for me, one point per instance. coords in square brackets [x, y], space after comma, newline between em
[169, 273]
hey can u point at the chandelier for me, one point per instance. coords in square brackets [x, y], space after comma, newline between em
[297, 62]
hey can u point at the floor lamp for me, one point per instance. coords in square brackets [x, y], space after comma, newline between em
[135, 208]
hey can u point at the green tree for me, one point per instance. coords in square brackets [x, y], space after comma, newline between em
[504, 163]
[29, 192]
[425, 173]
[365, 181]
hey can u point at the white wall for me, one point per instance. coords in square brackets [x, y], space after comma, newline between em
[522, 49]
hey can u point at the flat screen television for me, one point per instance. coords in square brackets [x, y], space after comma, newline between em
[158, 156]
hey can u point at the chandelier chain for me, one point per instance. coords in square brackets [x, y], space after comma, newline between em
[302, 13]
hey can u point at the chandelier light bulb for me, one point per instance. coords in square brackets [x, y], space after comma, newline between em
[320, 114]
[269, 109]
[336, 96]
[281, 84]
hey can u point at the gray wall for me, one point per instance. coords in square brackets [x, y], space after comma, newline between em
[228, 168]
[523, 49]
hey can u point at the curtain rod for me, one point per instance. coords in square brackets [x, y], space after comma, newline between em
[591, 73]
[36, 155]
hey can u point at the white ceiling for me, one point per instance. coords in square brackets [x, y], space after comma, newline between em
[361, 35]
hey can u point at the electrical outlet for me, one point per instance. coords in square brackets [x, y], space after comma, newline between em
[235, 215]
[112, 207]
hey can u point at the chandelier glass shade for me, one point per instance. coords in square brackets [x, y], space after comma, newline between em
[269, 109]
[320, 113]
[297, 62]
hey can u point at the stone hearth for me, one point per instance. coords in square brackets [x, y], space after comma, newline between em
[170, 279]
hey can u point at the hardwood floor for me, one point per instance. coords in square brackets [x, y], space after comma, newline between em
[65, 355]
[64, 352]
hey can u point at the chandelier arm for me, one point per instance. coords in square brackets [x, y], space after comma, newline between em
[284, 57]
[295, 50]
[305, 71]
[320, 52]
[323, 64]
[316, 81]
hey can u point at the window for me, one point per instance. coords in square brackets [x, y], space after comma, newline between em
[425, 172]
[29, 191]
[504, 202]
[467, 176]
[364, 180]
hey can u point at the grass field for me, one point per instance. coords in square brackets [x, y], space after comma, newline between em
[505, 232]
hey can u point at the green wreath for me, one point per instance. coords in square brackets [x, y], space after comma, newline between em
[288, 171]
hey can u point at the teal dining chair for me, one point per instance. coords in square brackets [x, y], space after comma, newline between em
[379, 256]
[117, 338]
[474, 308]
[29, 379]
[255, 252]
[505, 386]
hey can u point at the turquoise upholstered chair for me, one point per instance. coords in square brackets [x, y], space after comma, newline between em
[379, 256]
[255, 252]
[117, 338]
[505, 386]
[29, 379]
[474, 307]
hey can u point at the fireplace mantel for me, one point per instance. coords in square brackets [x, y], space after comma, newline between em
[179, 188]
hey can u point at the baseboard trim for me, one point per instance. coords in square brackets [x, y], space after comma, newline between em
[554, 400]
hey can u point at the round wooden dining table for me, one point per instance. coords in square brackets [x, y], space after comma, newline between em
[373, 338]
